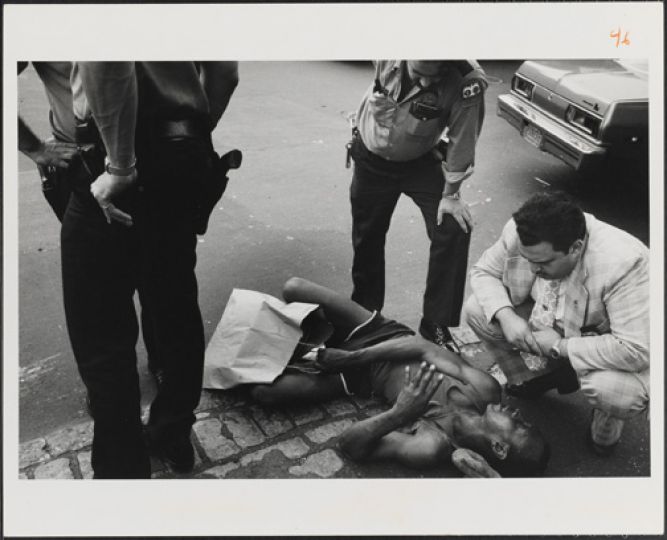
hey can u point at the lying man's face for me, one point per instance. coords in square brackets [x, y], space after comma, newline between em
[505, 439]
[505, 423]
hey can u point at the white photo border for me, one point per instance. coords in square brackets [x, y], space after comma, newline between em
[341, 32]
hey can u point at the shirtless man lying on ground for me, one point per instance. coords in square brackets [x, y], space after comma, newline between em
[440, 403]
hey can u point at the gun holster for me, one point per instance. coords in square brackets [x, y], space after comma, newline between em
[58, 184]
[214, 186]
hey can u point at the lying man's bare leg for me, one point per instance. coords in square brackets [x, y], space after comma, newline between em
[294, 387]
[339, 310]
[298, 388]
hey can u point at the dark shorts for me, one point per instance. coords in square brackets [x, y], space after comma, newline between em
[377, 329]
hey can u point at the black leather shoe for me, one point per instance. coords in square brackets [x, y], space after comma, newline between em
[177, 452]
[564, 379]
[440, 335]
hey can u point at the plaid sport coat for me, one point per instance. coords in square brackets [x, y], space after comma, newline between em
[606, 305]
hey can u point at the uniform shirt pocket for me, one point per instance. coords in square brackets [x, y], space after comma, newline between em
[422, 129]
[382, 109]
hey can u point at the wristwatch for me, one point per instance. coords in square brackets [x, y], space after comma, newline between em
[453, 196]
[554, 352]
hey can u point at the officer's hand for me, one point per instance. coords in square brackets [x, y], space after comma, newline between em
[53, 153]
[458, 210]
[107, 188]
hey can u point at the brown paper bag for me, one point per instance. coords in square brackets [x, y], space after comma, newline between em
[254, 340]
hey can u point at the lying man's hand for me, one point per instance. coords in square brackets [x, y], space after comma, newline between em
[109, 187]
[472, 465]
[413, 399]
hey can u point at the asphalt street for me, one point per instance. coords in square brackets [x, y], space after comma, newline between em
[286, 212]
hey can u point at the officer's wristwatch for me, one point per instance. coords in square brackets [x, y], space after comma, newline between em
[554, 352]
[456, 196]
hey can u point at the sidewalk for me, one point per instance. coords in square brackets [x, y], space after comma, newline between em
[235, 438]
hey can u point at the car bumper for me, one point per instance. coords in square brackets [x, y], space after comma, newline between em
[556, 139]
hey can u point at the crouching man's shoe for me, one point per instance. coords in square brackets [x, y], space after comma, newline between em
[440, 335]
[564, 379]
[604, 433]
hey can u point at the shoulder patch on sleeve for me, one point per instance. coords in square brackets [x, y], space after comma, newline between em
[471, 89]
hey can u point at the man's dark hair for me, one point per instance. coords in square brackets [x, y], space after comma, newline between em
[527, 461]
[550, 217]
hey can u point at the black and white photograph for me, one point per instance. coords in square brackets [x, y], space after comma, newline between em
[244, 277]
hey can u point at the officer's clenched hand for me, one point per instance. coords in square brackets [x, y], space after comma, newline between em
[458, 210]
[107, 188]
[52, 153]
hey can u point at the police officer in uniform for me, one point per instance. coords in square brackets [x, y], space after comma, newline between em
[74, 152]
[135, 228]
[398, 147]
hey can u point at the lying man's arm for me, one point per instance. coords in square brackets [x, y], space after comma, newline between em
[410, 349]
[376, 438]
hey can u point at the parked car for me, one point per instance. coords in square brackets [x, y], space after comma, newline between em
[591, 114]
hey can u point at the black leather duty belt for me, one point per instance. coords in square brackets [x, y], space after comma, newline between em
[180, 129]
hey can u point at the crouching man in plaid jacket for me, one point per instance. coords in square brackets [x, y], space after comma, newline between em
[562, 301]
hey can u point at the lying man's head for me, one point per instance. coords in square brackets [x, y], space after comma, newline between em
[508, 443]
[551, 230]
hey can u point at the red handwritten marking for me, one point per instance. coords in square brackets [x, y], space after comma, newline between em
[617, 35]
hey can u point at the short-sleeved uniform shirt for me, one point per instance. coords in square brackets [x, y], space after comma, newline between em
[67, 100]
[401, 127]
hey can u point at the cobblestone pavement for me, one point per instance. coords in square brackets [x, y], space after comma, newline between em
[236, 438]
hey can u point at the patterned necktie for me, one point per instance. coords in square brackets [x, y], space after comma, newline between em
[543, 314]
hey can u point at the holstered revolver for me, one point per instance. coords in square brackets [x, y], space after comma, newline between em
[215, 186]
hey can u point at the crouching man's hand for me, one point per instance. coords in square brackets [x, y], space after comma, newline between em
[417, 392]
[516, 330]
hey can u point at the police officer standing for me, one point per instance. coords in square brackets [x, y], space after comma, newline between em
[416, 131]
[74, 152]
[135, 228]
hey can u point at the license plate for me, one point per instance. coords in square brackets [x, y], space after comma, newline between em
[533, 135]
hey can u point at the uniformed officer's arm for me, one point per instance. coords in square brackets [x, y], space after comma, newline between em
[49, 153]
[219, 80]
[111, 90]
[464, 126]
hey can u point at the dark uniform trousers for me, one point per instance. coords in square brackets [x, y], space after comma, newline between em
[376, 186]
[103, 265]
